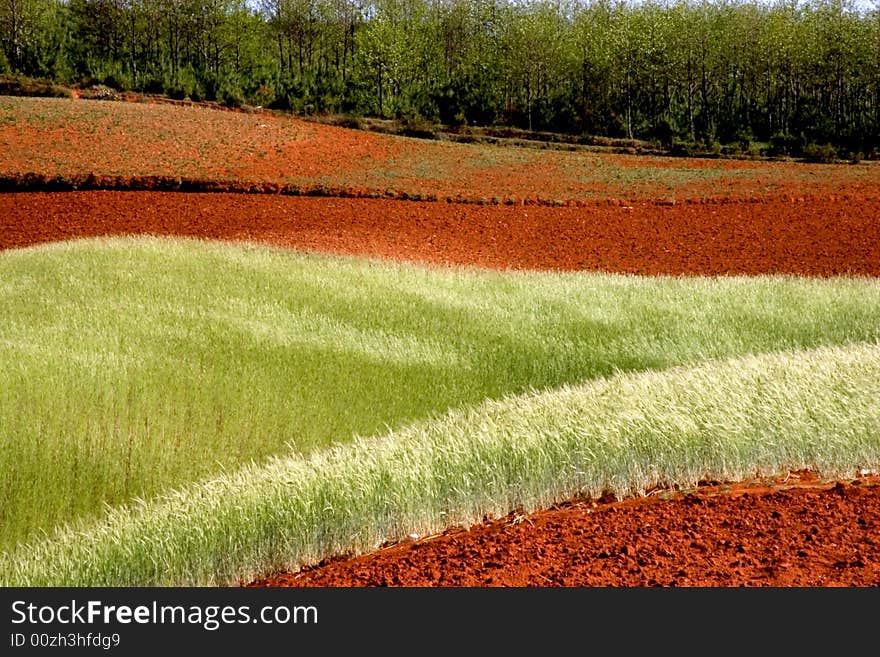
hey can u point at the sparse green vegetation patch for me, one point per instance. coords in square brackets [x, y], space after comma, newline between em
[68, 138]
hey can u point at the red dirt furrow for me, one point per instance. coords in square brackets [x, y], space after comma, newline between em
[748, 536]
[816, 238]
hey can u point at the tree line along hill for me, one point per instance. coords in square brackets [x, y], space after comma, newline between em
[787, 78]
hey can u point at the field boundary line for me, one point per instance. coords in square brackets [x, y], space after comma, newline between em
[38, 182]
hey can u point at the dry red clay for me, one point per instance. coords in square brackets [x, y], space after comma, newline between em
[819, 237]
[800, 532]
[797, 533]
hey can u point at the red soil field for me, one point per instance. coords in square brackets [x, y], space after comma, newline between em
[816, 237]
[70, 138]
[800, 532]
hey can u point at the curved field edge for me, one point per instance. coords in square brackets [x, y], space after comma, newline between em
[723, 420]
[132, 366]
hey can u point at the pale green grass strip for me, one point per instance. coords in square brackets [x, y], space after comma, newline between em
[132, 366]
[724, 420]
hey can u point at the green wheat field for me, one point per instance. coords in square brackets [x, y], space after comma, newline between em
[177, 412]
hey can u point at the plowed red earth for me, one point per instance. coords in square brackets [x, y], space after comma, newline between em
[821, 237]
[800, 533]
[808, 534]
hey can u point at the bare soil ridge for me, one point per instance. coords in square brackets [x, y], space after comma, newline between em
[40, 182]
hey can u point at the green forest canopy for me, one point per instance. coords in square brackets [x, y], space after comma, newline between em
[737, 71]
